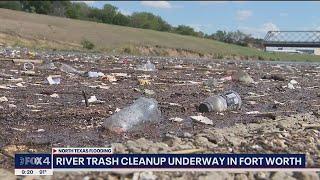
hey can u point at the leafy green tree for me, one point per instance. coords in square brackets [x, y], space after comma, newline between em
[15, 5]
[59, 8]
[120, 19]
[108, 13]
[185, 30]
[78, 10]
[147, 20]
[40, 7]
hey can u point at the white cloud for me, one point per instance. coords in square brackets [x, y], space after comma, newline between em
[242, 15]
[261, 31]
[157, 4]
[87, 2]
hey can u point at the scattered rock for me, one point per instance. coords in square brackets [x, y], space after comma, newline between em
[243, 77]
[307, 175]
[282, 175]
[275, 77]
[147, 176]
[217, 176]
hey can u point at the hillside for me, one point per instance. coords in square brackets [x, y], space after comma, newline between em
[42, 31]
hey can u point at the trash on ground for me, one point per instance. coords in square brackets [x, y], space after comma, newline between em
[110, 78]
[48, 66]
[93, 99]
[54, 79]
[149, 92]
[68, 69]
[293, 84]
[227, 78]
[275, 77]
[54, 95]
[143, 82]
[93, 74]
[35, 61]
[202, 119]
[28, 66]
[28, 73]
[228, 101]
[4, 87]
[176, 119]
[3, 99]
[121, 74]
[146, 67]
[253, 112]
[141, 111]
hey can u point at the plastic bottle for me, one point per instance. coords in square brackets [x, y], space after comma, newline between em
[142, 110]
[230, 100]
[146, 67]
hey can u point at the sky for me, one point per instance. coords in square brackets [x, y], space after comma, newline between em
[255, 18]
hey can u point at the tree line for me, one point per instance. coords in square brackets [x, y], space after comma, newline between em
[110, 14]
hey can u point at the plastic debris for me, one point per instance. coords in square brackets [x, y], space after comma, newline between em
[28, 73]
[141, 111]
[28, 66]
[92, 99]
[253, 112]
[68, 69]
[35, 61]
[202, 119]
[146, 67]
[293, 84]
[176, 119]
[48, 66]
[149, 92]
[93, 74]
[53, 79]
[228, 101]
[274, 77]
[143, 82]
[3, 99]
[111, 78]
[54, 95]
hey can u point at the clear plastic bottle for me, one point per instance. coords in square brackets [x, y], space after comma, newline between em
[230, 100]
[142, 110]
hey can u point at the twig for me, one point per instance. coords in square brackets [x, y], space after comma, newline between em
[188, 151]
[85, 98]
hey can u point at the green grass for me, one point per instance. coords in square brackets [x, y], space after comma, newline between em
[62, 33]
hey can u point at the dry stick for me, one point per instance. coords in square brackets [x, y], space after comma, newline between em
[188, 151]
[85, 98]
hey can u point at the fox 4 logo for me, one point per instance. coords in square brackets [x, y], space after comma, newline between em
[34, 161]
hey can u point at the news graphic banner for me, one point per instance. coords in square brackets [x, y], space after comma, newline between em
[102, 159]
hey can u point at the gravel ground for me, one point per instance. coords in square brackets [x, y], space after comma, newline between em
[278, 115]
